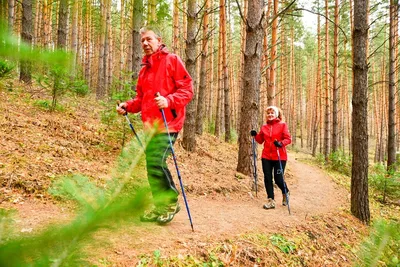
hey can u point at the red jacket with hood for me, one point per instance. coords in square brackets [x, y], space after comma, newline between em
[271, 131]
[163, 73]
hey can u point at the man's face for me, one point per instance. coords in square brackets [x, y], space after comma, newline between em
[150, 42]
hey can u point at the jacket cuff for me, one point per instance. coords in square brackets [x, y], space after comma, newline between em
[170, 102]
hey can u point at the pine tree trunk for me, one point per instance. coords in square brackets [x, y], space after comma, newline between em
[121, 45]
[359, 171]
[317, 120]
[189, 133]
[225, 83]
[175, 26]
[218, 119]
[74, 34]
[251, 83]
[136, 40]
[203, 73]
[26, 36]
[391, 145]
[211, 90]
[327, 106]
[243, 48]
[62, 24]
[335, 90]
[295, 97]
[38, 31]
[273, 57]
[151, 11]
[11, 12]
[88, 41]
[101, 89]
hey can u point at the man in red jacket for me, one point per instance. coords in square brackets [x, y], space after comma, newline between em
[163, 83]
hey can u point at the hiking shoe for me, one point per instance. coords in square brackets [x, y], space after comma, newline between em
[284, 202]
[168, 213]
[150, 215]
[270, 204]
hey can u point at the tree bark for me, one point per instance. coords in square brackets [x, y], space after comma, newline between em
[273, 57]
[203, 73]
[327, 106]
[225, 84]
[101, 89]
[151, 11]
[335, 87]
[189, 133]
[359, 170]
[175, 26]
[26, 36]
[137, 20]
[251, 83]
[62, 24]
[11, 12]
[391, 145]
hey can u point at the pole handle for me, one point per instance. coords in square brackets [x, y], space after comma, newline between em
[118, 103]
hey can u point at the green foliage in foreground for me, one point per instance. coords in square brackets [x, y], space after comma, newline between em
[382, 246]
[100, 207]
[14, 50]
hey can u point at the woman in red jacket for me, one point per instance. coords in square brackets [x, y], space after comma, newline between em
[275, 135]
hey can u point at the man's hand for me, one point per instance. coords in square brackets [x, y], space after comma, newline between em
[161, 101]
[278, 144]
[253, 133]
[121, 108]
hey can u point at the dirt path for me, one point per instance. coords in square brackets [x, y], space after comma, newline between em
[215, 218]
[312, 193]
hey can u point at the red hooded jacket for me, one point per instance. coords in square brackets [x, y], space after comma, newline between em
[274, 130]
[163, 73]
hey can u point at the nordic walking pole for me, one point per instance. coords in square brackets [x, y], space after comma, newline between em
[255, 163]
[130, 124]
[284, 183]
[176, 166]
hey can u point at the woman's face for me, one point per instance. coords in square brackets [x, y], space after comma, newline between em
[271, 114]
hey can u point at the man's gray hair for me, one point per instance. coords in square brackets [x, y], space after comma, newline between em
[150, 28]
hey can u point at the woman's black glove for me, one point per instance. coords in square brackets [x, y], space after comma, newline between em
[253, 133]
[278, 144]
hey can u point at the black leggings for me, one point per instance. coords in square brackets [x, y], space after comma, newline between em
[160, 179]
[269, 166]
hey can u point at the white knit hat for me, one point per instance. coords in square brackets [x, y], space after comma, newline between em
[274, 109]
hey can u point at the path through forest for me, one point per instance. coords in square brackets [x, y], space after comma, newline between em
[312, 193]
[215, 218]
[221, 202]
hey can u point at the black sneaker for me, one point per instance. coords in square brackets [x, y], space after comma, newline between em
[168, 213]
[150, 215]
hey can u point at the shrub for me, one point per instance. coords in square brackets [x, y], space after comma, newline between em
[388, 185]
[340, 162]
[5, 69]
[79, 87]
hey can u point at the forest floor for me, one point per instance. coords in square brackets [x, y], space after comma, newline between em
[230, 226]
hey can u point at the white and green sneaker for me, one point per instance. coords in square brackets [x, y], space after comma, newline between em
[168, 213]
[150, 215]
[270, 204]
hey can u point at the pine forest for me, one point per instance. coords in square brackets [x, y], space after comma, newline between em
[66, 157]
